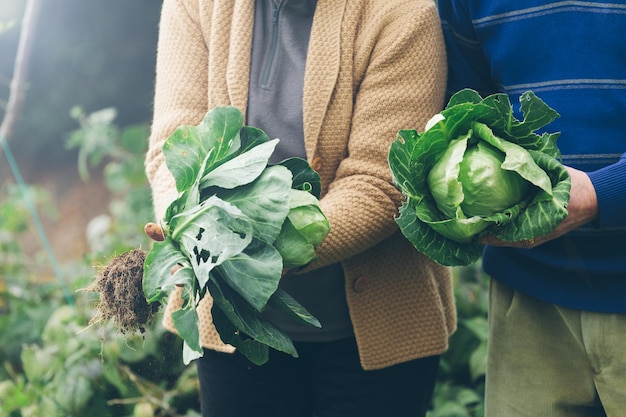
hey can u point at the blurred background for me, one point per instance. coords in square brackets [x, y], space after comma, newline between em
[73, 194]
[92, 54]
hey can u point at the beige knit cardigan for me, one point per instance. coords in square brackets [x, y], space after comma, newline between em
[373, 67]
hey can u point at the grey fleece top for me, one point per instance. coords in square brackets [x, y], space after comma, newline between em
[279, 51]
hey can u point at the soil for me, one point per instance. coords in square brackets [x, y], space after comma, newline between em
[74, 204]
[122, 300]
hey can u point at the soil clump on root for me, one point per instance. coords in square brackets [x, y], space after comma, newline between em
[122, 299]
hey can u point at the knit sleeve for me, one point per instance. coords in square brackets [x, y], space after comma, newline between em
[610, 185]
[180, 89]
[400, 73]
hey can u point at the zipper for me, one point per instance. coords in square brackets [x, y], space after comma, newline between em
[270, 60]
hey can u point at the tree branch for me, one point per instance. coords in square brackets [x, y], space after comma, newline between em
[20, 71]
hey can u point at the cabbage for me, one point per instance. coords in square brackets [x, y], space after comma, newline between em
[477, 169]
[306, 227]
[236, 224]
[487, 187]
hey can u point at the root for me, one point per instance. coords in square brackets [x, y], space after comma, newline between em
[121, 293]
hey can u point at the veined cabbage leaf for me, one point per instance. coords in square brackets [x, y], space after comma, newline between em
[236, 224]
[478, 169]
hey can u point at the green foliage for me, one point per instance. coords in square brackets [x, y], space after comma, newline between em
[14, 221]
[461, 382]
[118, 153]
[24, 307]
[53, 362]
[226, 186]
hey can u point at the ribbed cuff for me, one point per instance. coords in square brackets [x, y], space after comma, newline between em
[610, 185]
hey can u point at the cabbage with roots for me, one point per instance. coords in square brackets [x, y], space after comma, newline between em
[478, 169]
[238, 222]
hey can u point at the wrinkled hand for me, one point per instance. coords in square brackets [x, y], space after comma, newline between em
[582, 208]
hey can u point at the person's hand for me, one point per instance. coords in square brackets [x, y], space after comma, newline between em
[582, 208]
[154, 232]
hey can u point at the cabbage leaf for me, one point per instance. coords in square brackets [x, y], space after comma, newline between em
[226, 233]
[478, 169]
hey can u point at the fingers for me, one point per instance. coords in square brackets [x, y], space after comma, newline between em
[527, 244]
[491, 240]
[154, 232]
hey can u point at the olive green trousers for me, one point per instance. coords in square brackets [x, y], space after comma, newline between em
[549, 361]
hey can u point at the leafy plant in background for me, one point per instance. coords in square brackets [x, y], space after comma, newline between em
[25, 305]
[52, 363]
[461, 381]
[119, 154]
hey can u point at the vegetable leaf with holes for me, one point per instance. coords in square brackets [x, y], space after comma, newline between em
[236, 224]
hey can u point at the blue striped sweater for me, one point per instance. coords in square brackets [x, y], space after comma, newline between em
[572, 54]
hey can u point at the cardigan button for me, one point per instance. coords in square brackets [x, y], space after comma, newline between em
[360, 284]
[316, 164]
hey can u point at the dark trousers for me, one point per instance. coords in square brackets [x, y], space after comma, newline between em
[325, 381]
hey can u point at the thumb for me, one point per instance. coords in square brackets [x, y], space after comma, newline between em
[154, 232]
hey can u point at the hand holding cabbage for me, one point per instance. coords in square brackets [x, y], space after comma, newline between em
[475, 170]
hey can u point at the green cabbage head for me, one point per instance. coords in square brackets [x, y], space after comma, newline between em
[304, 228]
[477, 169]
